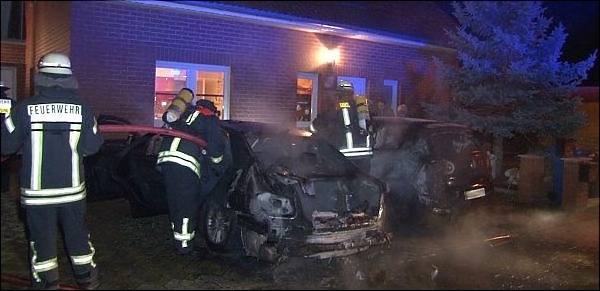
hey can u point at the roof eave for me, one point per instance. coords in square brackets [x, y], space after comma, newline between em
[305, 26]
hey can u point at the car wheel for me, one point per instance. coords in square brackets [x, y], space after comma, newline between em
[430, 189]
[218, 227]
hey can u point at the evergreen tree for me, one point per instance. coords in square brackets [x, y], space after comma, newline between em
[509, 79]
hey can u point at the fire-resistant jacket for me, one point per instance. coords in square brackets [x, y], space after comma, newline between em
[188, 154]
[341, 128]
[55, 130]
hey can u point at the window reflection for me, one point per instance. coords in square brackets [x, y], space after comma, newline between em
[303, 102]
[168, 82]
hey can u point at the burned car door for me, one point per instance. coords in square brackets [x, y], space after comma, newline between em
[129, 166]
[140, 177]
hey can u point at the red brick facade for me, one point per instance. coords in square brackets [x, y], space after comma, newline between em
[588, 136]
[13, 54]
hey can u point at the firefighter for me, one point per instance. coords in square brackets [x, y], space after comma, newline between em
[217, 156]
[340, 125]
[180, 162]
[6, 103]
[55, 130]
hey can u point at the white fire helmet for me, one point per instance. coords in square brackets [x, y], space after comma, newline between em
[55, 63]
[344, 85]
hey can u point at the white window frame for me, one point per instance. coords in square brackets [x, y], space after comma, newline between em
[313, 98]
[395, 90]
[191, 80]
[359, 84]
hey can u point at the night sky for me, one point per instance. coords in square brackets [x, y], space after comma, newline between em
[580, 19]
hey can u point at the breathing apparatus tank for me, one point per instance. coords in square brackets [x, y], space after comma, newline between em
[362, 106]
[178, 104]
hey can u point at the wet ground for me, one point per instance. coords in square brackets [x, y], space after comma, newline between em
[502, 245]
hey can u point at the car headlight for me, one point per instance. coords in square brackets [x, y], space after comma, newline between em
[268, 204]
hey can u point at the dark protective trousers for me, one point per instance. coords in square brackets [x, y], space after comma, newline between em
[42, 224]
[184, 197]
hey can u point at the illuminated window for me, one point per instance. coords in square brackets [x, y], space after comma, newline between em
[306, 99]
[359, 84]
[207, 82]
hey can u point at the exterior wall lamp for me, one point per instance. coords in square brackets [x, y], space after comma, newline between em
[329, 56]
[332, 56]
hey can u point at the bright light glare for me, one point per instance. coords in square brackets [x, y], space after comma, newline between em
[329, 56]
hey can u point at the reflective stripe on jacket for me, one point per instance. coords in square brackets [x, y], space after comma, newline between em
[180, 151]
[180, 158]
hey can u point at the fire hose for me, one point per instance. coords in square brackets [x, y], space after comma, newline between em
[124, 128]
[19, 281]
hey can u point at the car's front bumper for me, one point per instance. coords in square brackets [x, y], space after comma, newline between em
[339, 243]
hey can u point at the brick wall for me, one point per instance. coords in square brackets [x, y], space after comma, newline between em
[588, 136]
[52, 27]
[13, 55]
[115, 46]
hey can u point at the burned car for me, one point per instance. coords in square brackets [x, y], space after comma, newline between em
[283, 194]
[433, 168]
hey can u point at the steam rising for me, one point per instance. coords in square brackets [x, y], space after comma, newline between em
[499, 246]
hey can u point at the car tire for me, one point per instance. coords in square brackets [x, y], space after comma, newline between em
[218, 226]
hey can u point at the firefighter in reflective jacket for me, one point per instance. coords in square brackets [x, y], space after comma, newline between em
[56, 130]
[179, 161]
[340, 125]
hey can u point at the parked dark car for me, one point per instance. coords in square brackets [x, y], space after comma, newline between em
[284, 194]
[432, 168]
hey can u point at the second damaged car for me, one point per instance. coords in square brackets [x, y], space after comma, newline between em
[434, 169]
[282, 195]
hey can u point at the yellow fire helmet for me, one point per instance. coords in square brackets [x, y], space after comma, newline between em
[362, 103]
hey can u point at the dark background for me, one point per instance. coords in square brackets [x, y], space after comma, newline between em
[580, 19]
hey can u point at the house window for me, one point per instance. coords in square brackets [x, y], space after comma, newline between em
[9, 77]
[207, 81]
[359, 84]
[13, 20]
[306, 99]
[390, 92]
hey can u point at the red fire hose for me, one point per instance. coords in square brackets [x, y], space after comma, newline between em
[18, 281]
[125, 128]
